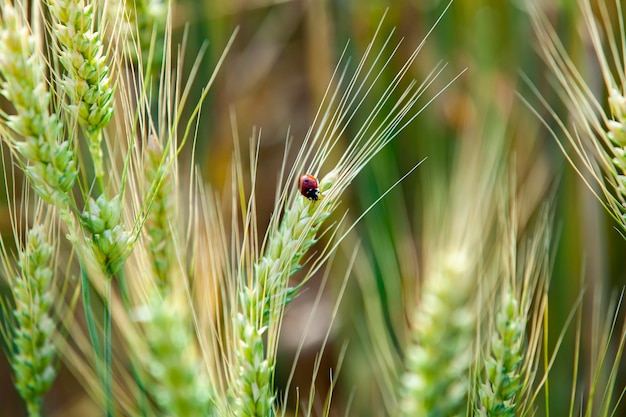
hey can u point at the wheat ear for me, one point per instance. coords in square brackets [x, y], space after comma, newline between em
[596, 144]
[263, 301]
[86, 81]
[161, 220]
[263, 298]
[498, 392]
[47, 160]
[33, 353]
[177, 381]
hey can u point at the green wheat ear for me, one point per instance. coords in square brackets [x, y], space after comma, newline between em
[498, 392]
[161, 222]
[34, 354]
[261, 304]
[109, 240]
[86, 80]
[594, 142]
[177, 380]
[47, 160]
[462, 263]
[264, 292]
[439, 355]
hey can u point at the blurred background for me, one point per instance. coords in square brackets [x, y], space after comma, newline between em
[272, 82]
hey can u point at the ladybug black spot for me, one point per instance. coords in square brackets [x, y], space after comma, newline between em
[312, 194]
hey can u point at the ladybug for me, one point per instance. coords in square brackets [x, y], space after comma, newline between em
[309, 187]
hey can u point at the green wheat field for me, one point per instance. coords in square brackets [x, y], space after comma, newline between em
[312, 208]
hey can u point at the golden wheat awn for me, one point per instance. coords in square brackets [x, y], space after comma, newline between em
[143, 26]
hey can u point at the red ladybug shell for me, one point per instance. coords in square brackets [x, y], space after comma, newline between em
[309, 187]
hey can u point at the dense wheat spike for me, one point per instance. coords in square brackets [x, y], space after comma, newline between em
[33, 353]
[48, 160]
[497, 394]
[162, 220]
[86, 80]
[177, 381]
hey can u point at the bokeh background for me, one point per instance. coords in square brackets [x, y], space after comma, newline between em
[271, 85]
